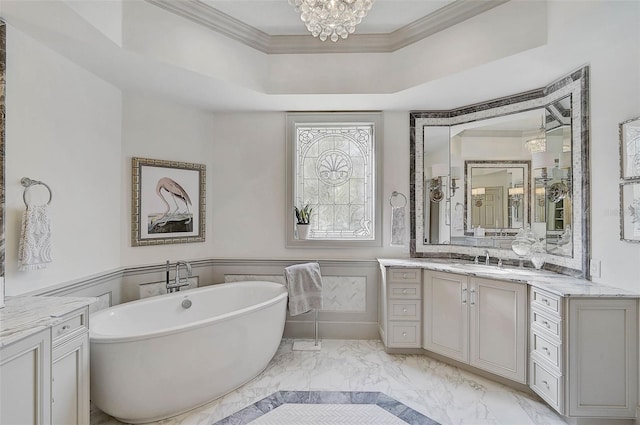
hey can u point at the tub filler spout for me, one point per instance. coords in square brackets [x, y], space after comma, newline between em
[179, 282]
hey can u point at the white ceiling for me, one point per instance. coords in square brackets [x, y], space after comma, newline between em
[277, 17]
[179, 59]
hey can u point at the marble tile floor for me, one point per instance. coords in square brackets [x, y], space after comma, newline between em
[444, 393]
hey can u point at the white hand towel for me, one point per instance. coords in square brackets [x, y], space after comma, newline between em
[397, 225]
[304, 283]
[34, 251]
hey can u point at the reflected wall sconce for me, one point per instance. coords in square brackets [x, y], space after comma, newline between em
[478, 195]
[438, 173]
[516, 194]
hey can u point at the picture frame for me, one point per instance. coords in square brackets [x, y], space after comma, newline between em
[630, 211]
[167, 202]
[630, 149]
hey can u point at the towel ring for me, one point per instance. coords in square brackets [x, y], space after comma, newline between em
[27, 183]
[393, 195]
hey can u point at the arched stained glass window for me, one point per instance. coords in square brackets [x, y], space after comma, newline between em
[334, 171]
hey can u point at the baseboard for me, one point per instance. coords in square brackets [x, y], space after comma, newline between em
[332, 330]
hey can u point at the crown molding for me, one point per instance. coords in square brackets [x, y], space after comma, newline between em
[445, 17]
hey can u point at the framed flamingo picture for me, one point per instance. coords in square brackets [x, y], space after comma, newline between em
[167, 202]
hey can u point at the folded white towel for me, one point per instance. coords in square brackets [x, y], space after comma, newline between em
[304, 283]
[34, 251]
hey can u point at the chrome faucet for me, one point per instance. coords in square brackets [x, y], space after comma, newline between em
[179, 282]
[486, 256]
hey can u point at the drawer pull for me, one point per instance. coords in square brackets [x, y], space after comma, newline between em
[544, 322]
[404, 292]
[404, 275]
[404, 310]
[473, 297]
[464, 295]
[546, 301]
[404, 334]
[64, 329]
[546, 384]
[546, 350]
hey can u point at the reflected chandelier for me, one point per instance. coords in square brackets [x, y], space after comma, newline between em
[332, 18]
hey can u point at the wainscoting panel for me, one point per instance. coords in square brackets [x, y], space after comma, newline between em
[339, 293]
[350, 290]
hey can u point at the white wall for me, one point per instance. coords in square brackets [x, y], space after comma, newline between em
[63, 127]
[245, 158]
[57, 110]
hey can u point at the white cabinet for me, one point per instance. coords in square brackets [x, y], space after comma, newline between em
[404, 308]
[477, 321]
[584, 352]
[70, 371]
[45, 376]
[25, 368]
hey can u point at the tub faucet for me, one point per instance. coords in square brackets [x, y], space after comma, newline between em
[179, 282]
[486, 256]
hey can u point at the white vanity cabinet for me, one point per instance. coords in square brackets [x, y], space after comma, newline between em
[403, 308]
[70, 370]
[478, 321]
[25, 373]
[44, 364]
[584, 353]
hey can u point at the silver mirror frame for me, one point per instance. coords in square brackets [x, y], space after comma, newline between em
[575, 84]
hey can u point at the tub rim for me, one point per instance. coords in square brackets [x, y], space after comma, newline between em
[110, 339]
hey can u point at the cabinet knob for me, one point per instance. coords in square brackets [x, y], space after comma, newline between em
[404, 275]
[545, 349]
[404, 292]
[546, 324]
[64, 329]
[404, 334]
[546, 301]
[404, 310]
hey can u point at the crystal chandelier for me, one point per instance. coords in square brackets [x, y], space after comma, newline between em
[538, 143]
[332, 18]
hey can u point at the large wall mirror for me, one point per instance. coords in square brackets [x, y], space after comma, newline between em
[483, 172]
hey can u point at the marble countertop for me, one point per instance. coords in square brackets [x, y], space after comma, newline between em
[26, 315]
[559, 284]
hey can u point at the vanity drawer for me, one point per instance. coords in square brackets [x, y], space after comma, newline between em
[547, 385]
[546, 323]
[410, 291]
[71, 325]
[546, 301]
[404, 334]
[405, 275]
[404, 310]
[547, 350]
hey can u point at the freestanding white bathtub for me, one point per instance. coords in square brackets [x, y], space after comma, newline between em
[153, 358]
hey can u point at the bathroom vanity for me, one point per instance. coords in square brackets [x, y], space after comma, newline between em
[574, 343]
[44, 360]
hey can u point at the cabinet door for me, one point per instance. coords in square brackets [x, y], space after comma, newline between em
[25, 368]
[603, 357]
[446, 319]
[498, 327]
[70, 382]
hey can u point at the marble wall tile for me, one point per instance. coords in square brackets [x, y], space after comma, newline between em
[339, 293]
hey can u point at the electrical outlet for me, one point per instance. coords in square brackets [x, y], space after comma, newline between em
[594, 268]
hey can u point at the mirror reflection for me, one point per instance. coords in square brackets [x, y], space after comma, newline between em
[487, 179]
[483, 173]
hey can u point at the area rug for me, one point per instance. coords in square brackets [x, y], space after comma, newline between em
[327, 408]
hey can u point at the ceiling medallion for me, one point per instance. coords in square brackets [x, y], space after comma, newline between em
[332, 18]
